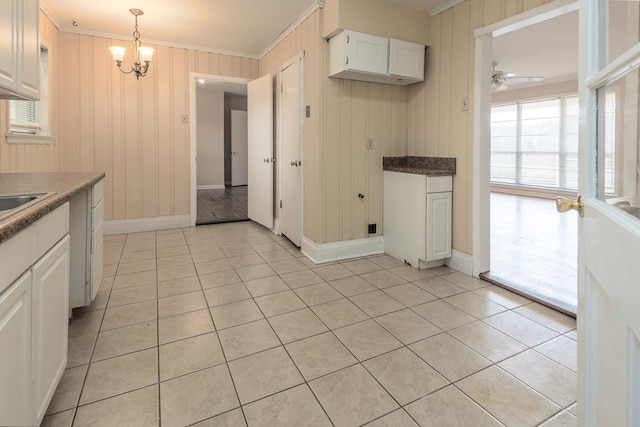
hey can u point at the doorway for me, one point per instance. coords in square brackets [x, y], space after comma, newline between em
[219, 141]
[528, 154]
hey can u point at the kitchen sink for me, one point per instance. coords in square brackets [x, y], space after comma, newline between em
[11, 204]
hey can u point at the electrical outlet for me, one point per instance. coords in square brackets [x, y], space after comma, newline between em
[369, 143]
[372, 228]
[465, 103]
[308, 110]
[185, 118]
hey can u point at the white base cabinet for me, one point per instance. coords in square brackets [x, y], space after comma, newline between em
[15, 353]
[34, 321]
[87, 245]
[417, 216]
[50, 325]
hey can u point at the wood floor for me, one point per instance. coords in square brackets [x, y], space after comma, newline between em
[224, 205]
[534, 249]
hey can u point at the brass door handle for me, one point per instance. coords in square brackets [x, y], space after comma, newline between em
[564, 205]
[296, 163]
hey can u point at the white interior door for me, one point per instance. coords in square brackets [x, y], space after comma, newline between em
[260, 150]
[609, 232]
[291, 151]
[238, 147]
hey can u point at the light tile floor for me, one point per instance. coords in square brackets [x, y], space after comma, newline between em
[229, 325]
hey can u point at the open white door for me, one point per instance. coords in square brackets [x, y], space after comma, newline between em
[609, 231]
[260, 150]
[291, 150]
[238, 148]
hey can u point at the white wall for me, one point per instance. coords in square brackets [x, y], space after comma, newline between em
[231, 102]
[210, 137]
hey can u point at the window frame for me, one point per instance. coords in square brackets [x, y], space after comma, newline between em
[43, 135]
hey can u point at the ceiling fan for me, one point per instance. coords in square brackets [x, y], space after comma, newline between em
[499, 78]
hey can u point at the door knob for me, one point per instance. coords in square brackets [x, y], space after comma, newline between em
[294, 163]
[564, 205]
[233, 152]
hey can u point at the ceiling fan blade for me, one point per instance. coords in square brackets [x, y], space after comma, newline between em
[525, 79]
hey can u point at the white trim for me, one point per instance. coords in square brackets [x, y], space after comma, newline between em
[334, 251]
[193, 130]
[18, 138]
[47, 11]
[122, 226]
[443, 7]
[76, 30]
[539, 192]
[530, 17]
[481, 121]
[460, 261]
[318, 4]
[211, 187]
[276, 227]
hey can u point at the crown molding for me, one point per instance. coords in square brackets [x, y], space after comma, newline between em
[47, 11]
[443, 7]
[318, 4]
[158, 42]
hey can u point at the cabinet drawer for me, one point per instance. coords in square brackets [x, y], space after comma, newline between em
[50, 229]
[439, 184]
[16, 256]
[97, 215]
[97, 194]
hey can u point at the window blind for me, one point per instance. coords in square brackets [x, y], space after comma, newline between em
[24, 117]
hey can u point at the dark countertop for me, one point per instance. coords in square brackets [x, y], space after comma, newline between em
[429, 166]
[64, 185]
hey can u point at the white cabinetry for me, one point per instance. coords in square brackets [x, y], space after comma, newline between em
[20, 49]
[359, 56]
[15, 352]
[50, 321]
[86, 230]
[33, 317]
[417, 218]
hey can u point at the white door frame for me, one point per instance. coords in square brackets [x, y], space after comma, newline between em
[193, 130]
[297, 57]
[482, 124]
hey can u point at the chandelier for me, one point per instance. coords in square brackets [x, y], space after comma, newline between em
[143, 53]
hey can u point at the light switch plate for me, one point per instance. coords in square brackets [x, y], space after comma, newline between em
[185, 118]
[369, 143]
[465, 103]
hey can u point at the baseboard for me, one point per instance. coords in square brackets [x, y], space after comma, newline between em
[136, 225]
[211, 187]
[334, 251]
[461, 261]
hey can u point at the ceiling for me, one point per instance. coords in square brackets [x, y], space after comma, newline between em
[548, 49]
[243, 27]
[226, 87]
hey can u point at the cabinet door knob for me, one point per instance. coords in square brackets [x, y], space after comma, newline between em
[360, 196]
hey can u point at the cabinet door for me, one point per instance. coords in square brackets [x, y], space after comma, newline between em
[30, 50]
[15, 353]
[406, 59]
[50, 324]
[9, 15]
[367, 53]
[438, 235]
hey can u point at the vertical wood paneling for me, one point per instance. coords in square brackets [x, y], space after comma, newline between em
[434, 106]
[375, 121]
[132, 129]
[359, 158]
[347, 96]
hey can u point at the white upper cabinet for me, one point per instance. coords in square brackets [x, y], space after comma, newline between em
[359, 56]
[20, 50]
[406, 59]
